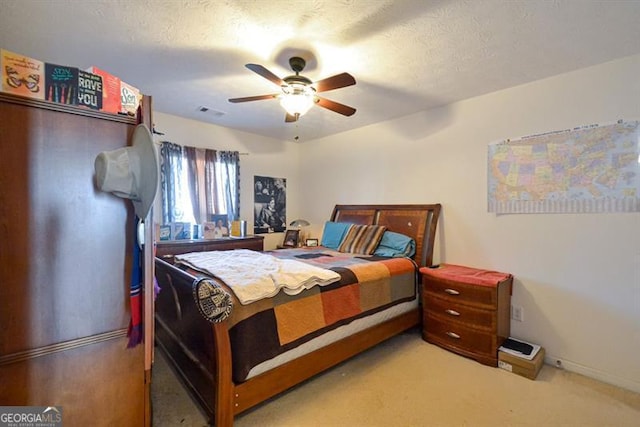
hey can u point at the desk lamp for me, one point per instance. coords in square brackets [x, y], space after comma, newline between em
[299, 223]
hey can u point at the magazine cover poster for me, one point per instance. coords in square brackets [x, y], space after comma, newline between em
[22, 75]
[89, 90]
[61, 84]
[110, 90]
[270, 204]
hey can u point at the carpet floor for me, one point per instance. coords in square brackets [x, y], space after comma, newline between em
[406, 381]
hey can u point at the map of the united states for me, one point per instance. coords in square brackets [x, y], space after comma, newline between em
[593, 168]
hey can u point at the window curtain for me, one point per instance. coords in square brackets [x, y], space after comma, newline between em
[192, 181]
[170, 174]
[229, 174]
[198, 183]
[213, 206]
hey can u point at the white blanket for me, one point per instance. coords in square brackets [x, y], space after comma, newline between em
[254, 275]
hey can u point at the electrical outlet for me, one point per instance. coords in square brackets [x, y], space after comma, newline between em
[517, 313]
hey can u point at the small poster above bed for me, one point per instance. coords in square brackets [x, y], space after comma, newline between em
[270, 204]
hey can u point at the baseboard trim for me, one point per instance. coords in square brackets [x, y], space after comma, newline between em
[62, 346]
[593, 373]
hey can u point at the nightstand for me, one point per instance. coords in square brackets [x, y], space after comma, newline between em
[466, 310]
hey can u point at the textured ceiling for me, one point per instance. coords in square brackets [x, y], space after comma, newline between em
[406, 55]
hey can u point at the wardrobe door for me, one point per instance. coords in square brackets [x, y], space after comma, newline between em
[65, 262]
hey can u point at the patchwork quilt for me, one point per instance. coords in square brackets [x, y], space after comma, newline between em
[266, 328]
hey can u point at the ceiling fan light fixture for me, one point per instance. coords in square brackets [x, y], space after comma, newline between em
[297, 99]
[298, 93]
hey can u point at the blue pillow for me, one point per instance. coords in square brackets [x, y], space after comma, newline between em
[395, 245]
[333, 234]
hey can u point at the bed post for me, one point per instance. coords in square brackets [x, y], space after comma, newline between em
[223, 412]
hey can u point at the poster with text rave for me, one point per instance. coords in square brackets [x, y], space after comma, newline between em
[89, 90]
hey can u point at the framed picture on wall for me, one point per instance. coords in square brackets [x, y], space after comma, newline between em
[269, 205]
[291, 238]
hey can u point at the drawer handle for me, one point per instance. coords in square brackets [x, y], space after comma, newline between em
[453, 335]
[452, 291]
[452, 312]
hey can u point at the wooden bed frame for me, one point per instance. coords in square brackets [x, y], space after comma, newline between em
[199, 352]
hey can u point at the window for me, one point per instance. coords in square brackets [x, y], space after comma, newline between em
[198, 183]
[183, 208]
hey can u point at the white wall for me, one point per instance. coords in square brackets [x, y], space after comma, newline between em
[265, 157]
[577, 276]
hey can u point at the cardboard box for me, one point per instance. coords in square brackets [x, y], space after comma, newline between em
[61, 84]
[22, 75]
[111, 95]
[520, 366]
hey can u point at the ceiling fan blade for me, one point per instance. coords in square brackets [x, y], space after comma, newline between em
[345, 110]
[259, 69]
[253, 98]
[335, 82]
[291, 118]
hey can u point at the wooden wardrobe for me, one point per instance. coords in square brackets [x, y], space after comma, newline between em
[65, 264]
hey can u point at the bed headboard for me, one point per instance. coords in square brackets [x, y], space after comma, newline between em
[416, 221]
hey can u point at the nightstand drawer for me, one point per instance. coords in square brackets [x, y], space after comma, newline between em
[457, 336]
[452, 311]
[480, 296]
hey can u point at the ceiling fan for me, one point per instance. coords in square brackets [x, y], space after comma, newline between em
[298, 93]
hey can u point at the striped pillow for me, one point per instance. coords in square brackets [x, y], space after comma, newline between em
[362, 239]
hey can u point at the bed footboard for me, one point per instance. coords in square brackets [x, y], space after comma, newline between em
[198, 351]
